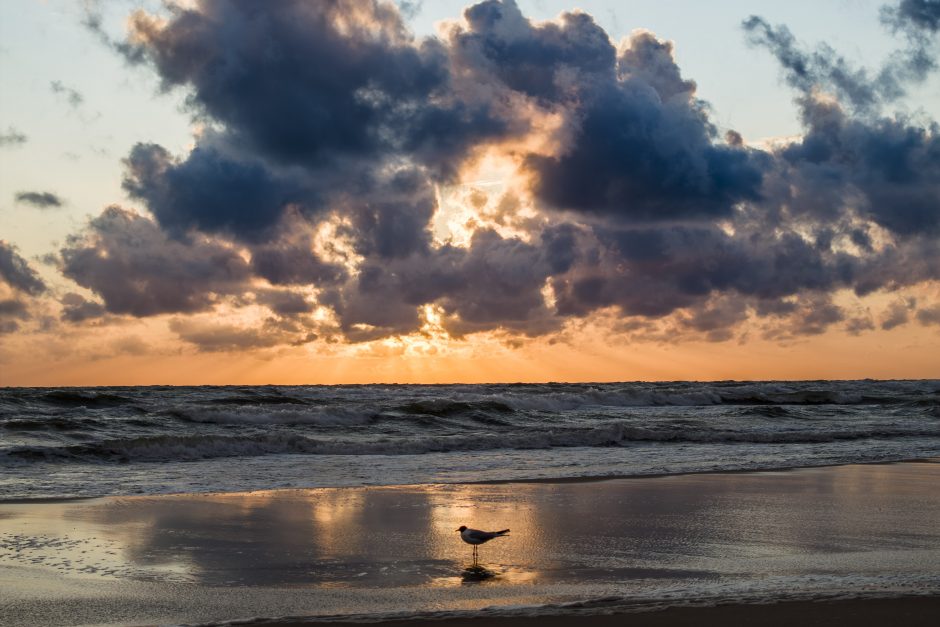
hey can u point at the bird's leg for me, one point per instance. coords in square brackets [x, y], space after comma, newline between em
[475, 555]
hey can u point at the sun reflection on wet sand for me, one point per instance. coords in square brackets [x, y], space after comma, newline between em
[628, 536]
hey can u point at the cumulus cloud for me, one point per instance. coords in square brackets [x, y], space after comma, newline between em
[42, 200]
[137, 269]
[637, 145]
[16, 272]
[207, 191]
[332, 134]
[20, 284]
[917, 14]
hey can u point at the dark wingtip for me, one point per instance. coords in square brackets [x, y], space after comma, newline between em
[503, 531]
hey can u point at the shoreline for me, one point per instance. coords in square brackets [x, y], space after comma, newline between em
[392, 552]
[587, 479]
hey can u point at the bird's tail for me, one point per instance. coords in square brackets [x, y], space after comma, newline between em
[503, 532]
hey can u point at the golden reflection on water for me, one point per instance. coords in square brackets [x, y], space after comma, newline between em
[668, 528]
[513, 575]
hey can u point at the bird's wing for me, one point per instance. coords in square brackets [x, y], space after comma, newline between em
[479, 536]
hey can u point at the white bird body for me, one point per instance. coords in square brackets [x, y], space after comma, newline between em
[476, 537]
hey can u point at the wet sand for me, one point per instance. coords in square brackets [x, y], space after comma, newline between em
[909, 612]
[625, 545]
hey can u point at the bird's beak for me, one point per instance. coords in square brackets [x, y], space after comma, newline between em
[456, 529]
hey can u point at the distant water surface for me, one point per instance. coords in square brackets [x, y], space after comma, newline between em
[132, 440]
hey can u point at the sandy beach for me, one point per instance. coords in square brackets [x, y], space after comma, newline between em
[845, 535]
[912, 612]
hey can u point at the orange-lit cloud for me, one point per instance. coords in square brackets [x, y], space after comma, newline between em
[510, 200]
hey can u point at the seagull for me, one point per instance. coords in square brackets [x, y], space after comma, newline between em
[477, 537]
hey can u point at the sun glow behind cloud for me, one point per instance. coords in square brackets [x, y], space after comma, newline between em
[512, 200]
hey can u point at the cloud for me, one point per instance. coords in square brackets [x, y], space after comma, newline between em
[887, 168]
[138, 270]
[211, 337]
[17, 273]
[859, 324]
[919, 14]
[20, 285]
[73, 97]
[825, 69]
[207, 191]
[42, 200]
[898, 313]
[12, 137]
[636, 146]
[929, 315]
[374, 89]
[332, 134]
[76, 308]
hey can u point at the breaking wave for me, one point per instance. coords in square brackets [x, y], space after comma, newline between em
[125, 440]
[163, 448]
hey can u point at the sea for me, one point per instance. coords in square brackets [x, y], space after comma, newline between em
[114, 441]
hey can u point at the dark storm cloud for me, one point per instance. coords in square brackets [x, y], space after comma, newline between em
[208, 191]
[644, 150]
[136, 269]
[547, 62]
[495, 283]
[12, 137]
[17, 273]
[394, 223]
[42, 200]
[312, 104]
[654, 271]
[289, 260]
[498, 283]
[924, 14]
[651, 61]
[642, 147]
[285, 303]
[887, 168]
[310, 83]
[330, 129]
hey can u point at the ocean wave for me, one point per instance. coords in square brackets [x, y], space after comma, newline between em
[164, 448]
[249, 415]
[494, 401]
[446, 407]
[635, 396]
[83, 398]
[48, 423]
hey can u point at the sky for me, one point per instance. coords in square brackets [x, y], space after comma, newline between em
[226, 192]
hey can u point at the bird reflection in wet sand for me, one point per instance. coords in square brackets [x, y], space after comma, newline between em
[476, 537]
